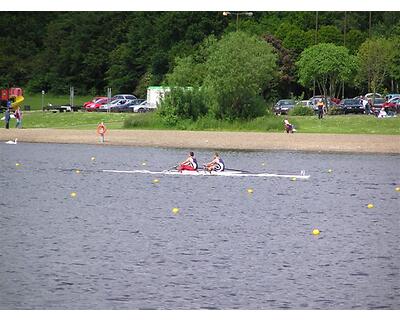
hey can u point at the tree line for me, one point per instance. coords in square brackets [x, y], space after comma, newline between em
[128, 51]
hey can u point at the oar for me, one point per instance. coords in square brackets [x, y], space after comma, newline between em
[172, 168]
[244, 171]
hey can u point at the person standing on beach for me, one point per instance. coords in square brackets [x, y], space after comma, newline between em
[320, 109]
[7, 117]
[18, 117]
[101, 130]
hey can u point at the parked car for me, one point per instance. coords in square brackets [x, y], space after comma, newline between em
[144, 107]
[377, 103]
[315, 99]
[283, 106]
[126, 107]
[371, 95]
[95, 104]
[108, 106]
[394, 100]
[352, 106]
[307, 103]
[392, 95]
[87, 104]
[393, 103]
[123, 97]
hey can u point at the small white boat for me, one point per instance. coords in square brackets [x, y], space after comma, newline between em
[226, 173]
[11, 141]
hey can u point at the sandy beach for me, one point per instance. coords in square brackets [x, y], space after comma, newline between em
[214, 140]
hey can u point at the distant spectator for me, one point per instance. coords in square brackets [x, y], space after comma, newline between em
[320, 106]
[18, 117]
[101, 130]
[382, 113]
[365, 104]
[288, 126]
[7, 118]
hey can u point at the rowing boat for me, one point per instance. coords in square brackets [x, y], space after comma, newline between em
[226, 173]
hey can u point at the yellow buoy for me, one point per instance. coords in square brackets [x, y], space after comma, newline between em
[73, 194]
[370, 206]
[143, 163]
[93, 158]
[17, 164]
[294, 179]
[156, 181]
[330, 170]
[77, 171]
[315, 232]
[398, 189]
[250, 190]
[175, 210]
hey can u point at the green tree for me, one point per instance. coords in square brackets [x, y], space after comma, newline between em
[191, 70]
[296, 40]
[354, 38]
[238, 70]
[186, 73]
[328, 64]
[330, 34]
[394, 66]
[375, 57]
[287, 68]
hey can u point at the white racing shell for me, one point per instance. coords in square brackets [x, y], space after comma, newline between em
[226, 173]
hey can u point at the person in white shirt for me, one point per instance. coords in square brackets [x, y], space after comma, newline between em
[217, 164]
[365, 104]
[382, 113]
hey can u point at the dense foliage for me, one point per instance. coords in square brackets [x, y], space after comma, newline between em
[182, 103]
[328, 65]
[238, 69]
[300, 110]
[129, 51]
[375, 56]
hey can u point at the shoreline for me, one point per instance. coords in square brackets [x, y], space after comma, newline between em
[217, 140]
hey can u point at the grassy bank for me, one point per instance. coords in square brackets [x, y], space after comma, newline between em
[35, 100]
[352, 124]
[71, 120]
[342, 124]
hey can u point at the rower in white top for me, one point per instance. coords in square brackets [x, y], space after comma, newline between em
[217, 164]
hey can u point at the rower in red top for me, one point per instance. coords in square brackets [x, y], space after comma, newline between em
[189, 164]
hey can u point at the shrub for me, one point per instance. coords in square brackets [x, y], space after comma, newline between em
[142, 120]
[181, 103]
[335, 110]
[300, 110]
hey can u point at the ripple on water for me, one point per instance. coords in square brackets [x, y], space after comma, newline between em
[225, 250]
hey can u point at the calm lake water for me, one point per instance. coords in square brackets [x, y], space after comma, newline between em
[117, 244]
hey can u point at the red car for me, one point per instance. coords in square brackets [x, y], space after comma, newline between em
[393, 104]
[95, 103]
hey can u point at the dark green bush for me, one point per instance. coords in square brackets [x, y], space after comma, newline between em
[141, 120]
[335, 110]
[301, 111]
[182, 103]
